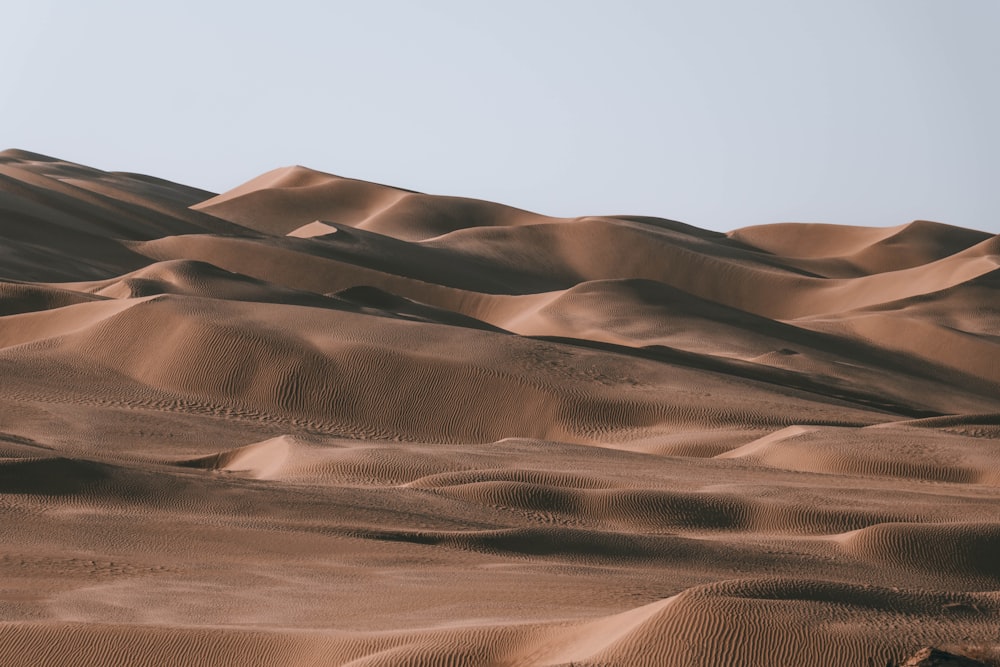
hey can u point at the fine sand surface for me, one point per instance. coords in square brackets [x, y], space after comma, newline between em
[318, 421]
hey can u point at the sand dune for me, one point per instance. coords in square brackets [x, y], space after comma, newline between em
[314, 421]
[861, 250]
[281, 201]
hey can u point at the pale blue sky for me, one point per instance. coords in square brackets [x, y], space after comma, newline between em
[718, 113]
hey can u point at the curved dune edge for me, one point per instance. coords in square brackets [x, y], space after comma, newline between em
[889, 451]
[969, 549]
[260, 460]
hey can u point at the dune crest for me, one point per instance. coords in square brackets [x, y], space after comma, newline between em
[319, 421]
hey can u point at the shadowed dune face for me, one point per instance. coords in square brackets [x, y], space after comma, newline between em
[320, 421]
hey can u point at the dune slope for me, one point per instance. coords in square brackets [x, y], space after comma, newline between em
[317, 421]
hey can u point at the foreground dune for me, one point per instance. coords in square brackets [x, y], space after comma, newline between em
[320, 421]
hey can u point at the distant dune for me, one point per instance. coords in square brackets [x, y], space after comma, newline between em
[319, 421]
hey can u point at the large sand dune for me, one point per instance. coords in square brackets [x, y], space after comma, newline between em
[320, 421]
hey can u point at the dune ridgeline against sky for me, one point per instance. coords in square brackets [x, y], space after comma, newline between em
[318, 421]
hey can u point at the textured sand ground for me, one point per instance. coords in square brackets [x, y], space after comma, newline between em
[321, 421]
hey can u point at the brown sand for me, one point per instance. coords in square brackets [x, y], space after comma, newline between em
[319, 421]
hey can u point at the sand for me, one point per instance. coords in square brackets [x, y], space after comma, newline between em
[318, 421]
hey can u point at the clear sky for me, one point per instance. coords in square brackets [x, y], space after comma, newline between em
[718, 113]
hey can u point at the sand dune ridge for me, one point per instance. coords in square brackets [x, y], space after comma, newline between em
[315, 421]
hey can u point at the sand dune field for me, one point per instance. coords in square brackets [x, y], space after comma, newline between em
[319, 421]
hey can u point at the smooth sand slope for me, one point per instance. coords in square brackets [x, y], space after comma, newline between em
[318, 421]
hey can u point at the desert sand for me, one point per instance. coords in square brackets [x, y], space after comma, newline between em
[320, 421]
